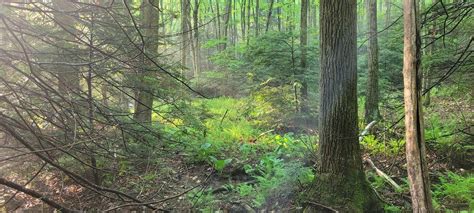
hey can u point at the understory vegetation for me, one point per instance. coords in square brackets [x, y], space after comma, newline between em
[214, 106]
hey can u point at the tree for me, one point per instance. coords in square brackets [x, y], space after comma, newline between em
[269, 16]
[185, 27]
[144, 105]
[68, 80]
[415, 145]
[227, 16]
[372, 95]
[341, 180]
[304, 44]
[257, 17]
[196, 47]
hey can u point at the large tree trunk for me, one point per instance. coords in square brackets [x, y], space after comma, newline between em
[372, 95]
[415, 145]
[144, 105]
[341, 180]
[304, 44]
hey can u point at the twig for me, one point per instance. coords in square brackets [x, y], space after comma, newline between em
[321, 205]
[371, 163]
[383, 175]
[35, 194]
[159, 201]
[222, 119]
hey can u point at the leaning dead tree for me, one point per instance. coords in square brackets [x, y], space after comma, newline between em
[415, 144]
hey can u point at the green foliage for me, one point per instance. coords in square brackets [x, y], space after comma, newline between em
[389, 148]
[202, 199]
[455, 191]
[392, 209]
[219, 165]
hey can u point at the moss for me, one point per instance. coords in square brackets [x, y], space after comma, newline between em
[349, 193]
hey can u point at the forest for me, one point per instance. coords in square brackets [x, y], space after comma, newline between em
[236, 106]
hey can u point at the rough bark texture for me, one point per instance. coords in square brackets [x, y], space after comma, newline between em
[341, 181]
[415, 145]
[185, 27]
[304, 44]
[372, 95]
[196, 43]
[144, 103]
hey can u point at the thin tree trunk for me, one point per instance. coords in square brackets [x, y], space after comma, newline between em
[388, 12]
[248, 20]
[431, 49]
[257, 17]
[218, 10]
[279, 18]
[90, 98]
[415, 145]
[372, 95]
[243, 19]
[196, 45]
[269, 16]
[227, 16]
[144, 105]
[185, 28]
[304, 44]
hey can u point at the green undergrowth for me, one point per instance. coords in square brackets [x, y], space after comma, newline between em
[271, 163]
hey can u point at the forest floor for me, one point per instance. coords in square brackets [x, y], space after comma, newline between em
[264, 172]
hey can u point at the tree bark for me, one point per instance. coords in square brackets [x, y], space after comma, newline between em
[341, 180]
[431, 49]
[257, 17]
[372, 95]
[196, 44]
[248, 20]
[227, 16]
[388, 13]
[69, 81]
[269, 16]
[144, 105]
[304, 44]
[185, 27]
[415, 145]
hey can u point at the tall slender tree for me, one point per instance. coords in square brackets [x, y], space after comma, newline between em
[269, 16]
[257, 17]
[372, 95]
[185, 28]
[144, 105]
[341, 180]
[196, 48]
[415, 144]
[227, 17]
[68, 80]
[304, 44]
